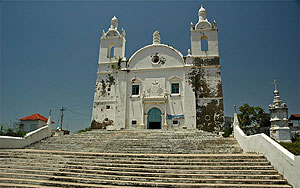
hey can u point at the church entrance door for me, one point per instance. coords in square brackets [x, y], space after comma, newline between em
[154, 119]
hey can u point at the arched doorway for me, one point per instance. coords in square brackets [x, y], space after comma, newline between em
[154, 119]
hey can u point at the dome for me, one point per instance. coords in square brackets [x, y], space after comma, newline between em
[202, 9]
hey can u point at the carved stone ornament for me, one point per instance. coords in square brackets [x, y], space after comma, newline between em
[154, 90]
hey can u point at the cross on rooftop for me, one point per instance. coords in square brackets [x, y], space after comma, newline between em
[275, 83]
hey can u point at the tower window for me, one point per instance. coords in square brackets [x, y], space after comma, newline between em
[204, 44]
[175, 88]
[110, 51]
[135, 89]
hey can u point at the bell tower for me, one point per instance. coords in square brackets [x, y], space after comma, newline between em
[206, 74]
[111, 60]
[112, 43]
[204, 36]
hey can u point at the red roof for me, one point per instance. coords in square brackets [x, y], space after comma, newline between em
[295, 117]
[35, 117]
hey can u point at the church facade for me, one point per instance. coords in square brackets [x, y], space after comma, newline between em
[158, 87]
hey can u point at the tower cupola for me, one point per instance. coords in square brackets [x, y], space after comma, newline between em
[114, 23]
[202, 13]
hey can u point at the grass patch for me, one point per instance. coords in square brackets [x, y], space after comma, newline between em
[293, 147]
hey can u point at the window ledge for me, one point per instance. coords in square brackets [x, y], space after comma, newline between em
[135, 96]
[175, 95]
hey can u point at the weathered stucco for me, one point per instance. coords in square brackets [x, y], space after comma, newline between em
[205, 79]
[210, 115]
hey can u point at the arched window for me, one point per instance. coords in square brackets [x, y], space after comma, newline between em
[110, 51]
[204, 43]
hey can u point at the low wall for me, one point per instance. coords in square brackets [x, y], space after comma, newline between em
[283, 161]
[10, 142]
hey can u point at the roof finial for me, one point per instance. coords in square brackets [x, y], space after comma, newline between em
[114, 23]
[156, 37]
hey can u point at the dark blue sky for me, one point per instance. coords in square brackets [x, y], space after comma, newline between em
[49, 50]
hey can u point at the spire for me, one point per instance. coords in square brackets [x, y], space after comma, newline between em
[156, 37]
[277, 100]
[114, 23]
[202, 13]
[49, 118]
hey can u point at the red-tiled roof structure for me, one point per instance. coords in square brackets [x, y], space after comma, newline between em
[295, 117]
[35, 117]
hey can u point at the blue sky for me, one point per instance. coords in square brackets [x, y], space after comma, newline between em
[49, 50]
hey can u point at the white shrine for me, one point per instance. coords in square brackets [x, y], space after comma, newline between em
[158, 87]
[280, 130]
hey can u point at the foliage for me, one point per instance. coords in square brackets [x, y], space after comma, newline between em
[15, 130]
[117, 65]
[228, 131]
[251, 115]
[84, 130]
[293, 147]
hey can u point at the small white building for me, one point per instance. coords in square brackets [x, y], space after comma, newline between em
[280, 130]
[33, 122]
[158, 87]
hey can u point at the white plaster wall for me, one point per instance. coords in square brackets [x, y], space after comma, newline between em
[30, 138]
[284, 161]
[28, 123]
[175, 103]
[100, 113]
[120, 95]
[189, 103]
[213, 49]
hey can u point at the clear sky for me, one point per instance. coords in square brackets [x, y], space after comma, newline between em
[49, 50]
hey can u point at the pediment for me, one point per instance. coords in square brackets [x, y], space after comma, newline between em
[174, 78]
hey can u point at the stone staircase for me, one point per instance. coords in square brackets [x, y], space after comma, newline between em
[136, 159]
[149, 141]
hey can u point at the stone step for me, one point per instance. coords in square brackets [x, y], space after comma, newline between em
[134, 165]
[122, 173]
[100, 161]
[102, 179]
[142, 170]
[85, 182]
[31, 152]
[18, 156]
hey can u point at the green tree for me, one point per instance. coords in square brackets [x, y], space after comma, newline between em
[250, 115]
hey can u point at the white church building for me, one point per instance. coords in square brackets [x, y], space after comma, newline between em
[158, 87]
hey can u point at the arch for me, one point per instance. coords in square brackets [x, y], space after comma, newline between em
[204, 43]
[154, 119]
[110, 51]
[151, 49]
